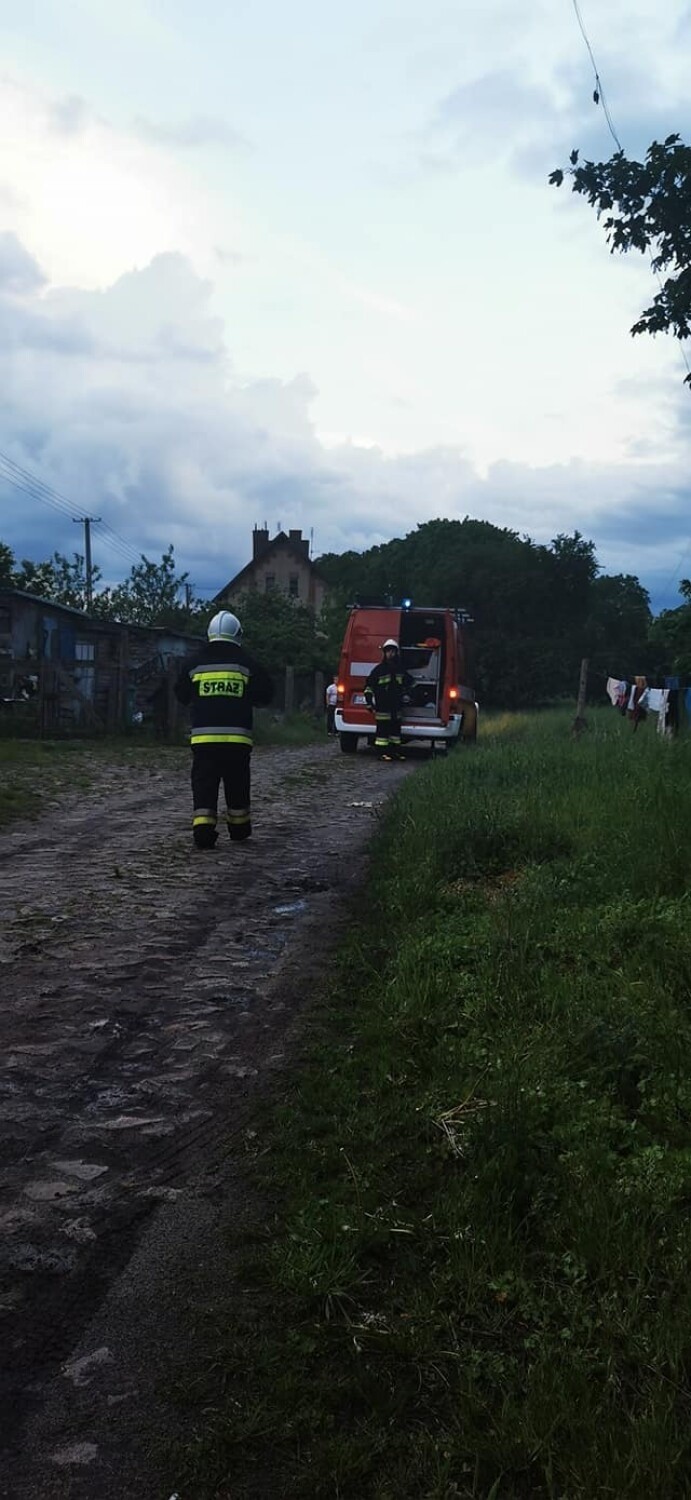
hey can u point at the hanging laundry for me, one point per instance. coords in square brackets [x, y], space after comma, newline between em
[637, 701]
[653, 700]
[638, 697]
[616, 691]
[663, 727]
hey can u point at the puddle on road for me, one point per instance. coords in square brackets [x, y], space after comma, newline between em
[265, 955]
[113, 1098]
[242, 1000]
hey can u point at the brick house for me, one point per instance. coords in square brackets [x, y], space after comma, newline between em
[284, 564]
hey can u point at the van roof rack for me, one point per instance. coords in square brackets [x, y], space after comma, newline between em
[363, 601]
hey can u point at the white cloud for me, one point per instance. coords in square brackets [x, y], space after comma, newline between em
[19, 272]
[125, 400]
[89, 200]
[464, 325]
[198, 130]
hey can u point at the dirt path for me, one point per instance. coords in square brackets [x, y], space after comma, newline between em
[145, 995]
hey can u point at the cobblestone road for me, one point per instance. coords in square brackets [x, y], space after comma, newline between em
[139, 1013]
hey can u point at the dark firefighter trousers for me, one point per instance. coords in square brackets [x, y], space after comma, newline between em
[387, 740]
[211, 765]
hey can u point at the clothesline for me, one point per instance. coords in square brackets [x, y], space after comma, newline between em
[637, 699]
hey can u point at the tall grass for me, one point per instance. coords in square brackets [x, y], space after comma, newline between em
[287, 729]
[478, 1280]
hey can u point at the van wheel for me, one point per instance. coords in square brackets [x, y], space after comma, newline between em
[469, 727]
[349, 743]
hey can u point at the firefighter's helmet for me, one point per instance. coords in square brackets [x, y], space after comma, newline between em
[224, 627]
[389, 644]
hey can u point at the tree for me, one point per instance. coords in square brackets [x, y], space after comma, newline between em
[6, 567]
[69, 580]
[281, 631]
[536, 609]
[34, 578]
[671, 635]
[617, 627]
[648, 208]
[61, 579]
[150, 596]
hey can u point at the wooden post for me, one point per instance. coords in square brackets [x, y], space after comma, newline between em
[579, 723]
[123, 677]
[319, 693]
[290, 690]
[42, 700]
[171, 700]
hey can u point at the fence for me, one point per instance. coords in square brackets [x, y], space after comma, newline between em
[58, 698]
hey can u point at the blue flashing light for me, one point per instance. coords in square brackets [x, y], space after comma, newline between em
[407, 603]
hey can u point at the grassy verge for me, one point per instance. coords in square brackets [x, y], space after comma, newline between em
[477, 1282]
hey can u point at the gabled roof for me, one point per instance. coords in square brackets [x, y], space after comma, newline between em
[281, 542]
[98, 622]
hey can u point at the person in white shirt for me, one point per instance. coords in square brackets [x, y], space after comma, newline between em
[331, 701]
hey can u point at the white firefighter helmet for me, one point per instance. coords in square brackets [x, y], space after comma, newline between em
[388, 644]
[224, 627]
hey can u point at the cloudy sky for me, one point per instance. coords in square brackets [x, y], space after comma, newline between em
[300, 263]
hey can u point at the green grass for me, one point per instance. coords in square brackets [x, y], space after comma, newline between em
[476, 1282]
[287, 729]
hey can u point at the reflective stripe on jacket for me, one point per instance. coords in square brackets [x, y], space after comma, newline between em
[385, 686]
[222, 684]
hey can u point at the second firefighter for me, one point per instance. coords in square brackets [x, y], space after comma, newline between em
[386, 690]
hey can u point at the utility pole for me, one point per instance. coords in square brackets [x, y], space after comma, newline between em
[188, 596]
[87, 522]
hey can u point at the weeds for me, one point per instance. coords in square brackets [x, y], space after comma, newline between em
[287, 729]
[478, 1283]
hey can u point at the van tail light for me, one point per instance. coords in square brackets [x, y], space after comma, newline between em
[453, 692]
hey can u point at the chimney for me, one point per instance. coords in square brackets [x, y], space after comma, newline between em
[260, 541]
[300, 543]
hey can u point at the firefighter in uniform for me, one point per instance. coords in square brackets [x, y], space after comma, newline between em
[386, 689]
[222, 683]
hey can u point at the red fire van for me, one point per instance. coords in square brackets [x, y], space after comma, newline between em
[433, 650]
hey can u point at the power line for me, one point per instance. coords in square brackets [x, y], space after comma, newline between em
[600, 98]
[29, 484]
[23, 480]
[599, 95]
[119, 544]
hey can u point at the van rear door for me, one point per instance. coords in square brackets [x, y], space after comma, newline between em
[365, 635]
[424, 653]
